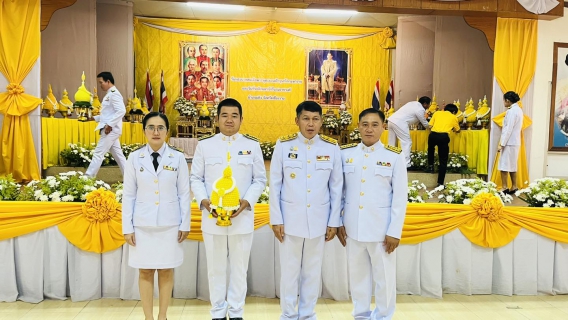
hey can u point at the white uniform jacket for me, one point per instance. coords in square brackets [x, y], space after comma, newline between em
[305, 185]
[375, 191]
[410, 113]
[247, 164]
[112, 111]
[156, 198]
[512, 126]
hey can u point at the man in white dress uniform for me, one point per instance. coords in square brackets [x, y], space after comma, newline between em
[376, 187]
[306, 184]
[110, 126]
[510, 141]
[235, 241]
[409, 114]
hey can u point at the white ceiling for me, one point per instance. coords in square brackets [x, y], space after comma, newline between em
[164, 9]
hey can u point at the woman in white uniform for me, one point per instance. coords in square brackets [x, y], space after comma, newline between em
[156, 212]
[510, 142]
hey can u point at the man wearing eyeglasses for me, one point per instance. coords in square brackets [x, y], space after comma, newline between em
[110, 126]
[228, 245]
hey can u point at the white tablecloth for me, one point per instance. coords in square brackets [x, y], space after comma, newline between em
[530, 265]
[188, 145]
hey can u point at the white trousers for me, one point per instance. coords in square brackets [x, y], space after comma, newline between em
[369, 261]
[300, 264]
[234, 250]
[403, 135]
[107, 142]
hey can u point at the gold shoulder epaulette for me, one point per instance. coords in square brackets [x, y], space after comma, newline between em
[175, 148]
[289, 137]
[328, 139]
[393, 149]
[246, 135]
[347, 146]
[205, 137]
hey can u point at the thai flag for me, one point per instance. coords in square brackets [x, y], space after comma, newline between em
[376, 104]
[149, 92]
[163, 95]
[389, 100]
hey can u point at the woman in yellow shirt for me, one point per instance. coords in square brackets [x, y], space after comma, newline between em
[441, 124]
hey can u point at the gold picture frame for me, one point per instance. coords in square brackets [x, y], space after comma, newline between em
[337, 89]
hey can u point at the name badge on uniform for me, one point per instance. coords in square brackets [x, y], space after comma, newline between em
[170, 168]
[292, 155]
[349, 160]
[384, 164]
[244, 153]
[323, 158]
[293, 148]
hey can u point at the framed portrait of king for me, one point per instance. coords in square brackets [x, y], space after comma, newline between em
[204, 71]
[558, 130]
[328, 76]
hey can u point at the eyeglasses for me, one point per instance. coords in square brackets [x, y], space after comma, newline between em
[154, 128]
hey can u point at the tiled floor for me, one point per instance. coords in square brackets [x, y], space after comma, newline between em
[452, 307]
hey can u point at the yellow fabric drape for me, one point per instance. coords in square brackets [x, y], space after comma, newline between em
[19, 50]
[260, 55]
[56, 134]
[423, 222]
[201, 25]
[514, 67]
[474, 143]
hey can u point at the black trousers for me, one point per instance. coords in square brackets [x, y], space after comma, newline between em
[442, 141]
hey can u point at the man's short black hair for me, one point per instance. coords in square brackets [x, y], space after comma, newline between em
[425, 100]
[452, 108]
[310, 106]
[372, 111]
[107, 76]
[155, 114]
[230, 102]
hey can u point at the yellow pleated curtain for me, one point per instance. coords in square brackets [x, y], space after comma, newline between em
[514, 67]
[19, 50]
[91, 230]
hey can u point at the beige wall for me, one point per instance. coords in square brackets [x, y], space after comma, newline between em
[442, 56]
[114, 44]
[463, 62]
[69, 47]
[414, 67]
[541, 161]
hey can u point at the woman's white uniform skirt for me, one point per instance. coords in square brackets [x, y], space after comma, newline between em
[156, 248]
[509, 159]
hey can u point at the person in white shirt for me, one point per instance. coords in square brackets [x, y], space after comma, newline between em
[156, 212]
[510, 142]
[110, 126]
[398, 124]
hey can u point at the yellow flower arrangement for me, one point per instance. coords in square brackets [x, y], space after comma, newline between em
[101, 205]
[488, 206]
[272, 27]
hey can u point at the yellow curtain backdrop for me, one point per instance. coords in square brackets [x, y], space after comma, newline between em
[100, 230]
[19, 50]
[261, 55]
[514, 68]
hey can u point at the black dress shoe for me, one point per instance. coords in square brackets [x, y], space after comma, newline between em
[512, 192]
[220, 318]
[236, 318]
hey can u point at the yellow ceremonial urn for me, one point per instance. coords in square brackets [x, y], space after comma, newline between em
[225, 196]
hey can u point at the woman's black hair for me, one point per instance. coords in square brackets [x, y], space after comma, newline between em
[511, 96]
[155, 114]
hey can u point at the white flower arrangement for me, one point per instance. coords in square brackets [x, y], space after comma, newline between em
[330, 122]
[264, 196]
[69, 186]
[463, 190]
[9, 189]
[457, 162]
[185, 107]
[77, 154]
[118, 191]
[267, 149]
[545, 192]
[417, 192]
[355, 135]
[345, 118]
[418, 160]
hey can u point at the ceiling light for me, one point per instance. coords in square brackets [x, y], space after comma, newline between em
[216, 6]
[333, 12]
